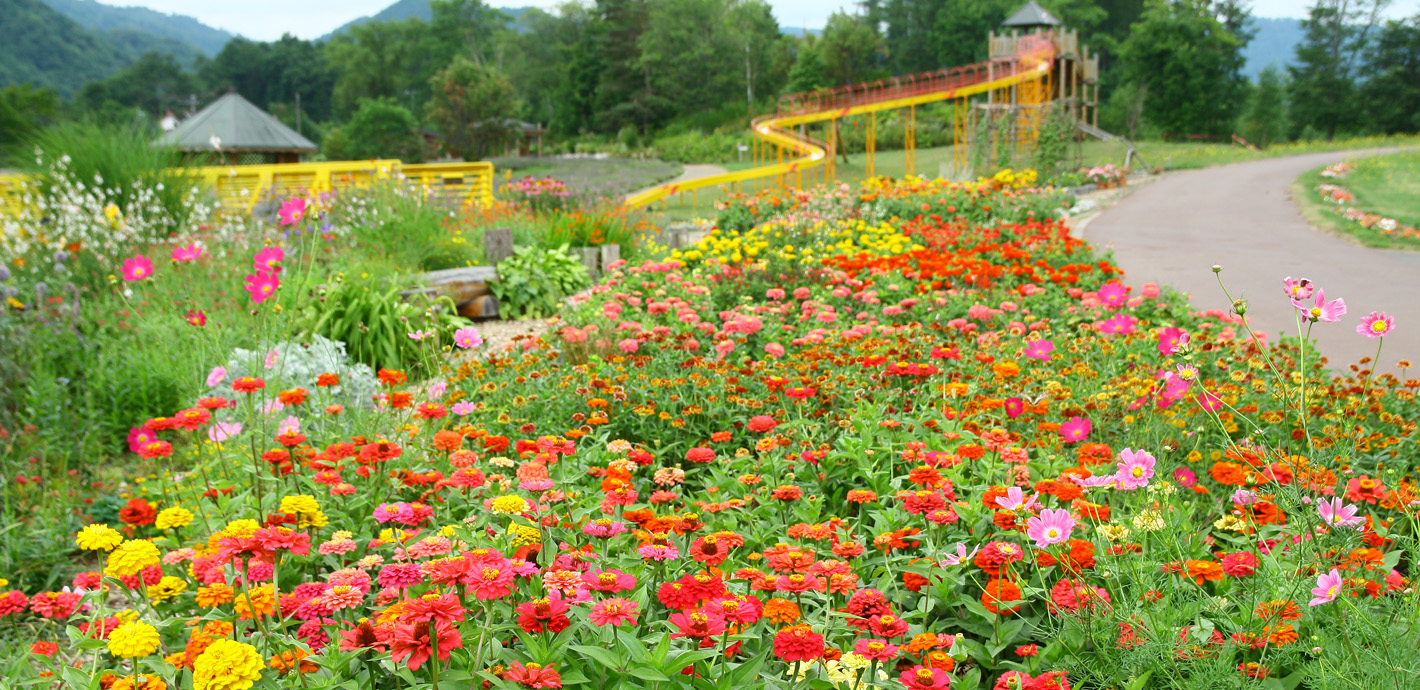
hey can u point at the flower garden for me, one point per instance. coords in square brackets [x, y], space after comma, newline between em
[913, 435]
[1383, 217]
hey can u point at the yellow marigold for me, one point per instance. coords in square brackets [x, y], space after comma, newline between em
[302, 503]
[509, 505]
[227, 665]
[173, 518]
[524, 535]
[131, 557]
[133, 639]
[98, 537]
[167, 588]
[215, 594]
[259, 601]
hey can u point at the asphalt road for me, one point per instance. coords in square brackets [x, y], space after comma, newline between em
[1242, 217]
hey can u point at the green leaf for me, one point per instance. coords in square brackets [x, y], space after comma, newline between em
[601, 656]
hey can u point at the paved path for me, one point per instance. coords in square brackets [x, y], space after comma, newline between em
[690, 172]
[1242, 217]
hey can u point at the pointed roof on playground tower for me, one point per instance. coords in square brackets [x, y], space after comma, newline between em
[237, 125]
[1031, 15]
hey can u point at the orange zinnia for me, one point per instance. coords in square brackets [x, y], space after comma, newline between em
[1201, 571]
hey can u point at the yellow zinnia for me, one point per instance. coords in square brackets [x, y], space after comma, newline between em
[167, 588]
[173, 518]
[227, 665]
[131, 557]
[133, 639]
[98, 537]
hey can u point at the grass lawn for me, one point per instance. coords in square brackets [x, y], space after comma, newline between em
[611, 177]
[1386, 186]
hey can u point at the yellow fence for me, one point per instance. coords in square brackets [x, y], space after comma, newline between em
[240, 188]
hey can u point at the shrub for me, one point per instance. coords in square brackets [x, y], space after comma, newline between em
[533, 282]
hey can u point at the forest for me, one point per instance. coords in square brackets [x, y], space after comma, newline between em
[679, 79]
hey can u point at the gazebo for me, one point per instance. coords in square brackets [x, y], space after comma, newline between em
[237, 132]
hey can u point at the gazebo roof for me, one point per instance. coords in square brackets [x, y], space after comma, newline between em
[1032, 14]
[238, 126]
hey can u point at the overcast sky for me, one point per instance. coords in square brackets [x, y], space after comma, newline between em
[268, 19]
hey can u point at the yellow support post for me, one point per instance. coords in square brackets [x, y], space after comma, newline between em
[909, 150]
[871, 144]
[961, 136]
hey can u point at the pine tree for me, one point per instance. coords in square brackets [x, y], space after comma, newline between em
[1323, 82]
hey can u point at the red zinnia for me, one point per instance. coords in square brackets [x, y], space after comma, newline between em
[798, 643]
[411, 641]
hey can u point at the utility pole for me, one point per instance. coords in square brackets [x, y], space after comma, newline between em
[298, 112]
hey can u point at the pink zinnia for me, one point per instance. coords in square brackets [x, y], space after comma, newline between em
[609, 580]
[1040, 349]
[137, 268]
[262, 285]
[292, 211]
[1377, 324]
[1015, 407]
[629, 345]
[1240, 564]
[1321, 310]
[1051, 527]
[492, 581]
[1076, 429]
[613, 612]
[875, 649]
[1327, 586]
[1136, 468]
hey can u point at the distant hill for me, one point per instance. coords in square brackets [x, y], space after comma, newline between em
[132, 21]
[1275, 44]
[403, 9]
[46, 48]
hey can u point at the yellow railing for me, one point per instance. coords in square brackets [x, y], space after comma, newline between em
[240, 188]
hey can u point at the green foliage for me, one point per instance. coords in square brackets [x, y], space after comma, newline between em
[1265, 121]
[47, 49]
[850, 49]
[1188, 64]
[154, 83]
[381, 128]
[405, 229]
[533, 281]
[1392, 88]
[374, 322]
[1323, 81]
[1053, 141]
[809, 72]
[470, 103]
[24, 111]
[123, 156]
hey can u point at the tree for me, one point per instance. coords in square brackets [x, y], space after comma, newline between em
[850, 49]
[380, 128]
[1323, 81]
[1188, 64]
[1265, 121]
[24, 112]
[690, 60]
[153, 84]
[470, 105]
[624, 97]
[753, 26]
[1392, 89]
[808, 72]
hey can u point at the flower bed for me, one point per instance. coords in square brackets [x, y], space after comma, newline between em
[1366, 224]
[910, 436]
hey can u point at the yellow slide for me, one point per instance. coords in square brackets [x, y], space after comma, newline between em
[1032, 62]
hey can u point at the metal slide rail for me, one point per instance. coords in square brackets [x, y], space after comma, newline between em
[1033, 61]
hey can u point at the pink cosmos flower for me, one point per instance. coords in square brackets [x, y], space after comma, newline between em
[292, 211]
[1297, 289]
[613, 612]
[1169, 339]
[1320, 309]
[1327, 586]
[1016, 500]
[1114, 294]
[1040, 349]
[222, 431]
[1050, 527]
[137, 268]
[1136, 468]
[462, 409]
[1376, 325]
[269, 259]
[262, 285]
[1119, 324]
[961, 556]
[1335, 513]
[467, 338]
[190, 252]
[1076, 429]
[216, 376]
[196, 317]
